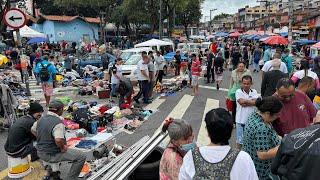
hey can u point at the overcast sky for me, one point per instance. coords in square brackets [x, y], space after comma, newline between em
[224, 6]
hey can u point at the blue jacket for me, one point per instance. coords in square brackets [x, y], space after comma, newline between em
[52, 70]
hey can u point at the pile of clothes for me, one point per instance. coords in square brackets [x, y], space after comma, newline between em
[171, 86]
[93, 117]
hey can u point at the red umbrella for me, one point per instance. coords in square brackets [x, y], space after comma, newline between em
[316, 45]
[235, 34]
[276, 40]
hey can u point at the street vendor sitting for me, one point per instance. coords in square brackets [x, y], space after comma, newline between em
[20, 139]
[125, 90]
[51, 141]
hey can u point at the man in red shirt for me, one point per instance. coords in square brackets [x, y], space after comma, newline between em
[195, 72]
[298, 111]
[214, 47]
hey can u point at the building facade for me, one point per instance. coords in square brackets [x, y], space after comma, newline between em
[67, 28]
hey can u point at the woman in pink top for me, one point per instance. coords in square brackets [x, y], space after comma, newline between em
[297, 76]
[195, 71]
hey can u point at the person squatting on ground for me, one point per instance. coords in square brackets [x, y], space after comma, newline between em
[51, 141]
[20, 138]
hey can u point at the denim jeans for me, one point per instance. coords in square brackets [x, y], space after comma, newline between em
[143, 90]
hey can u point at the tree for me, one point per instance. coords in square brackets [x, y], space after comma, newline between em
[221, 16]
[189, 13]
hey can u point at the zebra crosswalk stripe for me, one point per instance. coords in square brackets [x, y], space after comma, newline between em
[203, 138]
[177, 113]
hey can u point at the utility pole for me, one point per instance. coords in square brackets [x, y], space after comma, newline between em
[267, 5]
[290, 14]
[160, 20]
[210, 29]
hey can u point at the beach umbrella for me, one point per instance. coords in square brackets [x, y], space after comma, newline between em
[251, 32]
[234, 34]
[276, 40]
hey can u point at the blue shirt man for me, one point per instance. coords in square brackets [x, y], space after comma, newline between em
[267, 54]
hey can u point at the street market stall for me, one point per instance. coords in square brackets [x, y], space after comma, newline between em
[156, 44]
[27, 32]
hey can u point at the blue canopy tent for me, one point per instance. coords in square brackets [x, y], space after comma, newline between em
[305, 42]
[37, 40]
[258, 37]
[221, 34]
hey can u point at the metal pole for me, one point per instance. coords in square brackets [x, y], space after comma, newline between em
[290, 24]
[160, 20]
[210, 23]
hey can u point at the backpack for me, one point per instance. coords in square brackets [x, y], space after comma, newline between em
[44, 73]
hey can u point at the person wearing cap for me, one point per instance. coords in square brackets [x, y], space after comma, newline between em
[51, 141]
[20, 138]
[116, 75]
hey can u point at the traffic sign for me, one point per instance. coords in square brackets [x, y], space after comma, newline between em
[14, 18]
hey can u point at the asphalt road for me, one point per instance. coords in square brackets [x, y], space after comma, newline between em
[193, 113]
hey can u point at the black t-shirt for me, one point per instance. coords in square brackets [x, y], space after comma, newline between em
[20, 134]
[227, 54]
[236, 58]
[210, 58]
[306, 168]
[14, 54]
[178, 58]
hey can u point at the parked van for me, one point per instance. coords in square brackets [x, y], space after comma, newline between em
[126, 54]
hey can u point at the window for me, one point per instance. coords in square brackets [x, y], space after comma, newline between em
[249, 10]
[263, 10]
[256, 11]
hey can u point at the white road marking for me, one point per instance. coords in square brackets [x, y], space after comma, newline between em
[177, 113]
[203, 138]
[214, 88]
[155, 104]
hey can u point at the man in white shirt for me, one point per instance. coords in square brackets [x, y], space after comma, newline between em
[116, 76]
[268, 65]
[143, 79]
[160, 63]
[246, 99]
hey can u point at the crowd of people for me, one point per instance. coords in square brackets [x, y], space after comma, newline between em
[276, 131]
